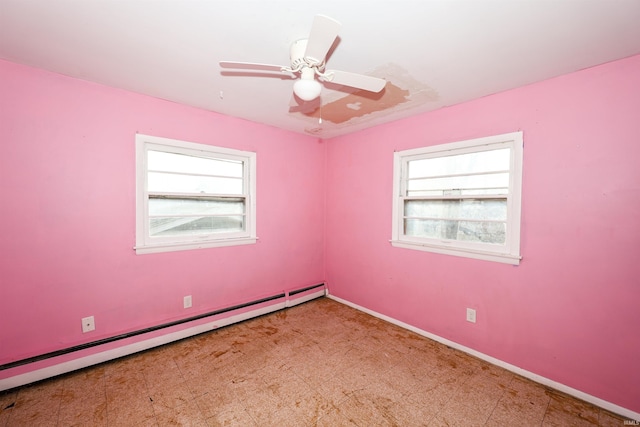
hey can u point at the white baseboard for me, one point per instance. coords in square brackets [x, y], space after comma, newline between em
[530, 375]
[125, 350]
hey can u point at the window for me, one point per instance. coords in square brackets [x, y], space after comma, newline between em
[191, 196]
[461, 198]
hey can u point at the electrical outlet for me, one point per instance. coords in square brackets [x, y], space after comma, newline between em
[187, 301]
[88, 324]
[471, 315]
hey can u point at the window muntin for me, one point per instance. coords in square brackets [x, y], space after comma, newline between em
[461, 198]
[193, 195]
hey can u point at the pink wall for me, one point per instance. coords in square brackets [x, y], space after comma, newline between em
[67, 216]
[569, 312]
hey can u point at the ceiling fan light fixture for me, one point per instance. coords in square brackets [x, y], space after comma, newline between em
[307, 89]
[308, 57]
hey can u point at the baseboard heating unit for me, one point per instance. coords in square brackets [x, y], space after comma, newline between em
[69, 359]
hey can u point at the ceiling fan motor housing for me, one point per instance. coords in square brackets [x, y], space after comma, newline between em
[298, 60]
[308, 57]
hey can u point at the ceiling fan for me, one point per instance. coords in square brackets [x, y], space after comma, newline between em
[308, 58]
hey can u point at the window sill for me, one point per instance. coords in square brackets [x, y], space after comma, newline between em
[173, 247]
[466, 253]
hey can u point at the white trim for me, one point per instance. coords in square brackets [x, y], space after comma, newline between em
[172, 247]
[146, 244]
[486, 256]
[509, 252]
[105, 356]
[628, 413]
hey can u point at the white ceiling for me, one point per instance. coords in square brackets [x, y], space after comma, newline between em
[434, 52]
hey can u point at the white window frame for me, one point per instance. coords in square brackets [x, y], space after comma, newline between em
[508, 253]
[152, 244]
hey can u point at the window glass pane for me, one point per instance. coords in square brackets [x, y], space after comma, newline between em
[495, 183]
[174, 183]
[174, 206]
[172, 162]
[478, 162]
[179, 226]
[470, 231]
[478, 209]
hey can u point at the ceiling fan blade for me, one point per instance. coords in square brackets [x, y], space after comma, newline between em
[252, 66]
[358, 81]
[323, 33]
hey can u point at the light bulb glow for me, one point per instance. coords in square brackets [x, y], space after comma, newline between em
[307, 89]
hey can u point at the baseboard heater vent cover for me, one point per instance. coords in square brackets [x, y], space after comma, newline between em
[288, 298]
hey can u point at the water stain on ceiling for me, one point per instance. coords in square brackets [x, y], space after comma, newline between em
[401, 91]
